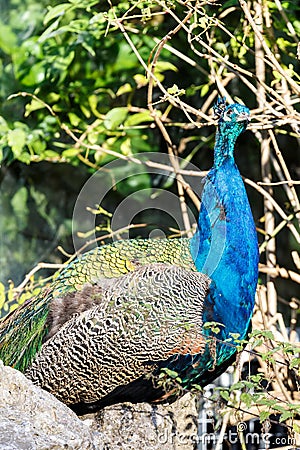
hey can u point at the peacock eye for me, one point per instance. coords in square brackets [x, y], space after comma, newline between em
[228, 115]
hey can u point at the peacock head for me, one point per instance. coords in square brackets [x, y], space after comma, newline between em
[232, 119]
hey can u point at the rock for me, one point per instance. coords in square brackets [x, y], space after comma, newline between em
[128, 427]
[33, 419]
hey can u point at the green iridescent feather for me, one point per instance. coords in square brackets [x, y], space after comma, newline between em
[23, 331]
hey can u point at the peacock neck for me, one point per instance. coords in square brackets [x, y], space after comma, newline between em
[225, 245]
[224, 147]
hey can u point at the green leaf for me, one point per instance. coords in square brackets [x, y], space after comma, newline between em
[93, 137]
[213, 326]
[25, 158]
[35, 75]
[162, 66]
[8, 40]
[74, 119]
[70, 152]
[225, 395]
[36, 145]
[115, 117]
[125, 60]
[16, 139]
[34, 105]
[125, 89]
[51, 31]
[140, 80]
[3, 125]
[136, 119]
[247, 399]
[238, 385]
[295, 363]
[264, 415]
[85, 111]
[257, 378]
[174, 90]
[235, 336]
[286, 415]
[125, 147]
[2, 295]
[50, 154]
[204, 90]
[56, 11]
[171, 373]
[296, 427]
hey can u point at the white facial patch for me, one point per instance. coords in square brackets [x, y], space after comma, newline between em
[227, 118]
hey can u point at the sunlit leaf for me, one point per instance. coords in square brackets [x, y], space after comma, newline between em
[16, 139]
[34, 105]
[8, 40]
[264, 415]
[138, 118]
[124, 89]
[2, 295]
[56, 11]
[115, 117]
[70, 152]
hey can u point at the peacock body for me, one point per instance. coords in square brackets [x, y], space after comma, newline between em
[121, 316]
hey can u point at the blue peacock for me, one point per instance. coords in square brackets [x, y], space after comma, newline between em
[122, 319]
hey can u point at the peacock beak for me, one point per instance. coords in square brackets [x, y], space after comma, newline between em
[243, 117]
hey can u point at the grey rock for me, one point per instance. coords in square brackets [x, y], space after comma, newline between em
[144, 426]
[33, 419]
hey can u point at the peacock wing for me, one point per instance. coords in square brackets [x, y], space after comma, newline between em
[138, 321]
[23, 331]
[121, 257]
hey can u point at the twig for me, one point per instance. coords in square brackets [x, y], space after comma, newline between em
[267, 325]
[296, 258]
[287, 21]
[43, 265]
[151, 164]
[292, 195]
[182, 56]
[277, 183]
[171, 147]
[170, 98]
[276, 230]
[270, 244]
[280, 272]
[37, 268]
[280, 211]
[266, 49]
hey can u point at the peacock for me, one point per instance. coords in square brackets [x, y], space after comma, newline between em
[144, 319]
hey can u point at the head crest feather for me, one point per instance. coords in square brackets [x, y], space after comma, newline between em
[219, 107]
